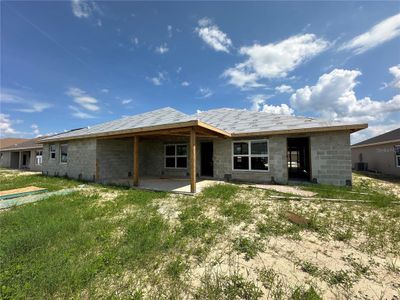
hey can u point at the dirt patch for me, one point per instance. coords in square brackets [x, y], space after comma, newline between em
[284, 189]
[391, 187]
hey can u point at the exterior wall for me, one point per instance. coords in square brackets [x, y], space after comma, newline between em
[151, 159]
[331, 158]
[5, 159]
[277, 161]
[81, 162]
[13, 160]
[32, 164]
[114, 159]
[380, 158]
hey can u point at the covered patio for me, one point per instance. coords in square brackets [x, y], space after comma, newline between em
[141, 159]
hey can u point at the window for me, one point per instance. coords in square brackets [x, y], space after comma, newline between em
[53, 151]
[38, 157]
[250, 155]
[176, 156]
[63, 153]
[397, 155]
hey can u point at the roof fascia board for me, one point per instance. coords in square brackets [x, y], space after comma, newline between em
[376, 144]
[22, 148]
[352, 128]
[140, 130]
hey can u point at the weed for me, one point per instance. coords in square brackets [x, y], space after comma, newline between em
[176, 267]
[300, 293]
[237, 211]
[309, 268]
[250, 248]
[343, 235]
[215, 286]
[340, 277]
[220, 191]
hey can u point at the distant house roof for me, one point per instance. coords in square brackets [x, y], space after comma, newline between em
[388, 137]
[230, 122]
[7, 142]
[26, 145]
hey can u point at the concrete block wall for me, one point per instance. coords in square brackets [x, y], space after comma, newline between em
[13, 160]
[81, 162]
[32, 164]
[331, 157]
[5, 159]
[114, 158]
[152, 157]
[277, 161]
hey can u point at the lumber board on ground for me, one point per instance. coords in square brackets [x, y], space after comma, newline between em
[21, 192]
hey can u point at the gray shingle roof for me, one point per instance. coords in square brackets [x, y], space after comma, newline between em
[385, 137]
[161, 116]
[29, 144]
[242, 121]
[234, 121]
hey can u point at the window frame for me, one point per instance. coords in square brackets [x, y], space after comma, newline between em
[396, 156]
[63, 162]
[36, 157]
[249, 155]
[54, 151]
[176, 156]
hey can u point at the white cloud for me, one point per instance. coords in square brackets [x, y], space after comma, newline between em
[84, 8]
[158, 80]
[135, 41]
[382, 32]
[284, 89]
[213, 36]
[259, 104]
[104, 91]
[178, 70]
[35, 107]
[205, 92]
[76, 112]
[371, 131]
[333, 96]
[162, 49]
[6, 125]
[185, 83]
[126, 101]
[169, 29]
[395, 71]
[35, 129]
[23, 98]
[274, 60]
[83, 99]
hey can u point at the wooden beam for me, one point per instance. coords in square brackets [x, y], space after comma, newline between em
[97, 171]
[193, 160]
[136, 161]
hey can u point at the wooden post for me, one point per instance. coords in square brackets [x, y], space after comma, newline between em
[192, 160]
[97, 176]
[136, 161]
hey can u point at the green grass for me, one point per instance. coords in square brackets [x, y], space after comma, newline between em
[362, 190]
[220, 191]
[84, 246]
[248, 247]
[14, 181]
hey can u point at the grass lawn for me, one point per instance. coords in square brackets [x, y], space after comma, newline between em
[228, 242]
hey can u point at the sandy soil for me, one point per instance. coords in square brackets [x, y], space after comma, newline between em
[284, 255]
[381, 184]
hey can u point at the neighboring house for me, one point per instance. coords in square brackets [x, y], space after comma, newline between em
[228, 144]
[7, 142]
[25, 155]
[380, 154]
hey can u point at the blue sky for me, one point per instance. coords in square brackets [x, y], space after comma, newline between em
[69, 64]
